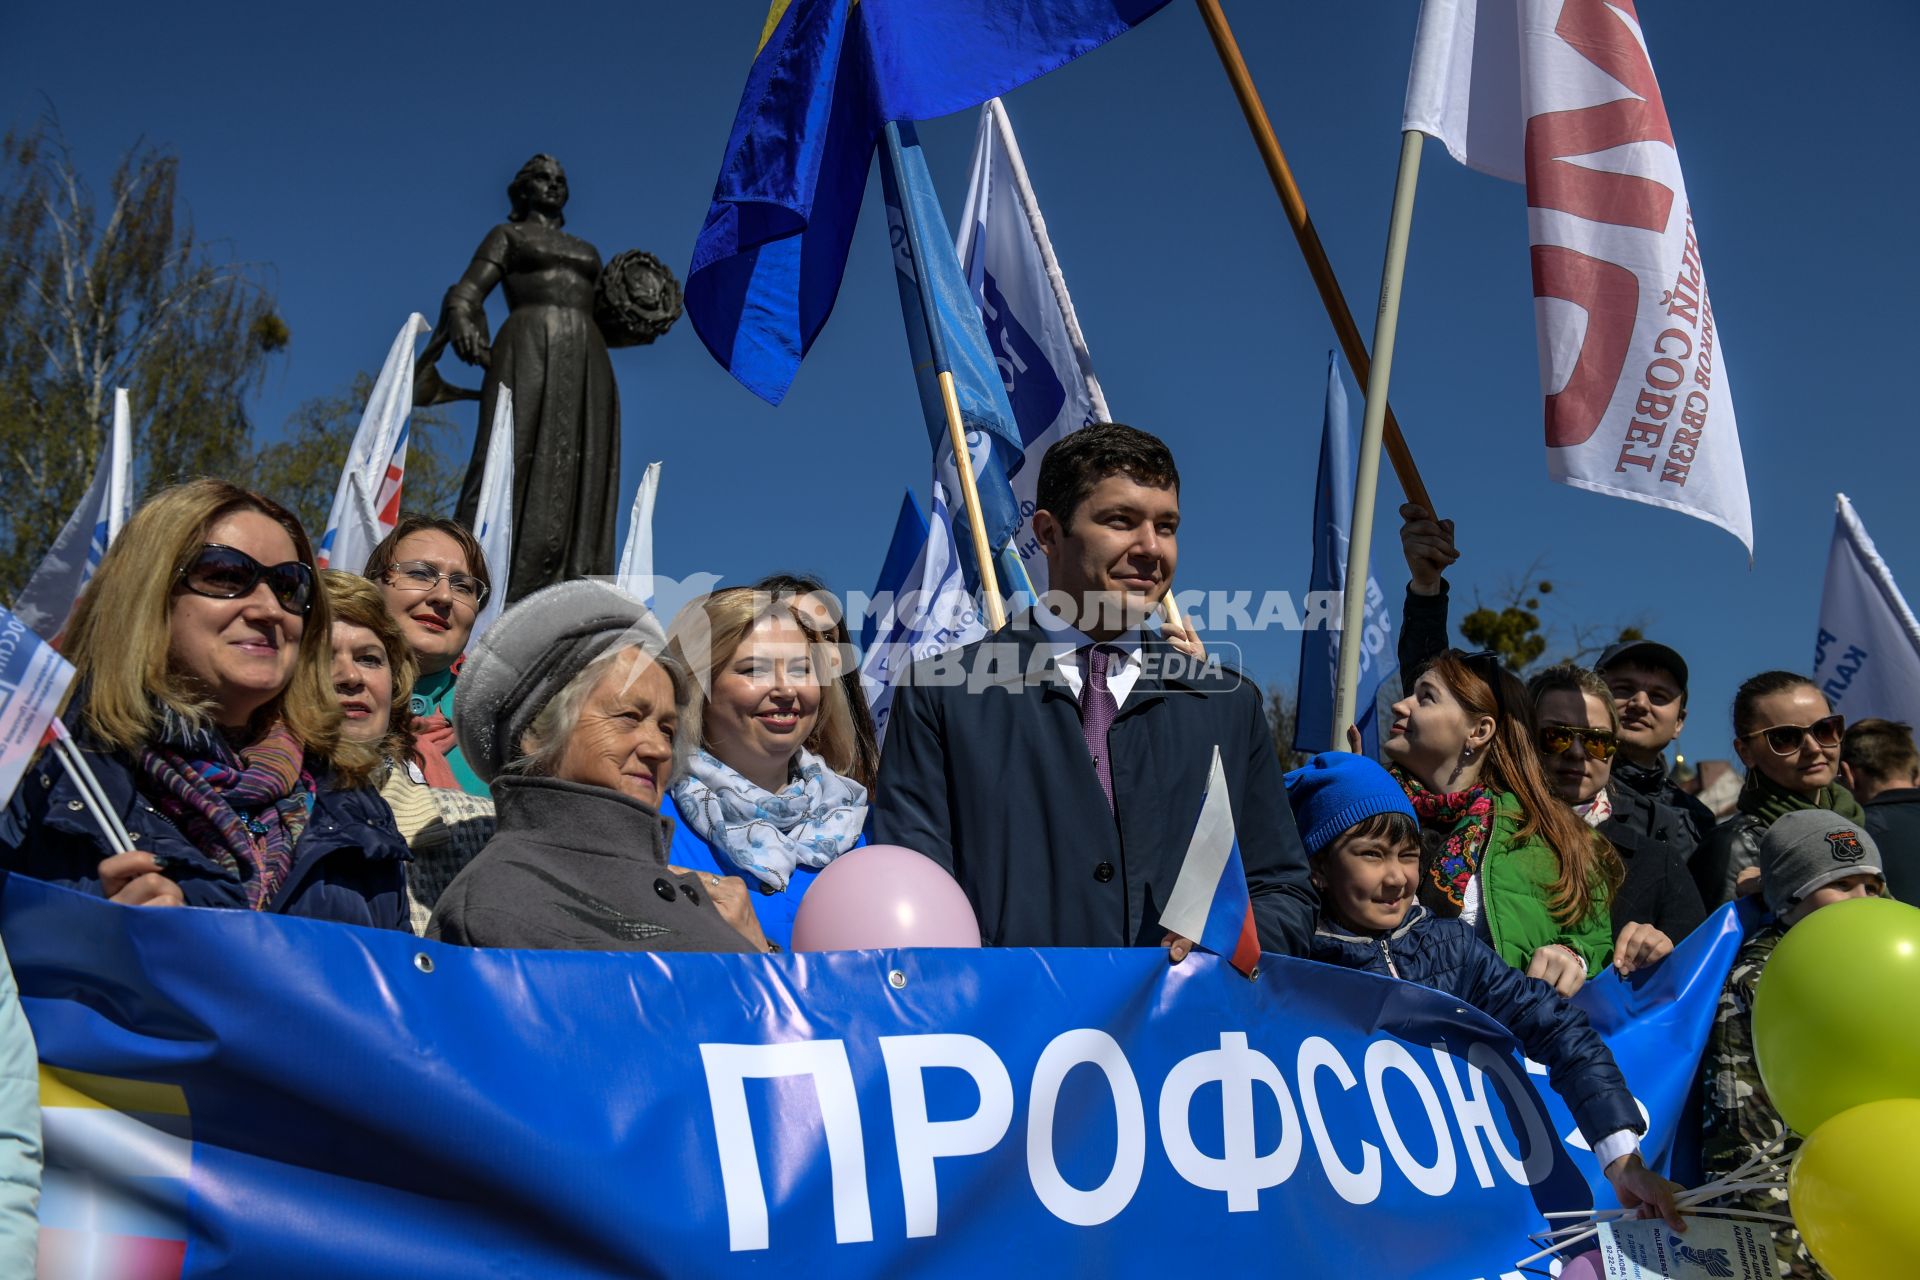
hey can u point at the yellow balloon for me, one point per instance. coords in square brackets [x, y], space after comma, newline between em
[1852, 1190]
[1836, 1017]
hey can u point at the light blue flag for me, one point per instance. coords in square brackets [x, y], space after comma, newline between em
[923, 605]
[1866, 658]
[944, 335]
[1313, 728]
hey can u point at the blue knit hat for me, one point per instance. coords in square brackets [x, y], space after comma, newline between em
[1336, 790]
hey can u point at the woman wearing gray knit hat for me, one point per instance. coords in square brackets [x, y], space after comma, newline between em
[1809, 859]
[573, 712]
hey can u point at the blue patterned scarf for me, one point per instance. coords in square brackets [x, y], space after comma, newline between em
[815, 819]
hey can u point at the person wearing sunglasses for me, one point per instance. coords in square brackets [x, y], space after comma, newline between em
[434, 578]
[1503, 853]
[1578, 733]
[1788, 737]
[203, 702]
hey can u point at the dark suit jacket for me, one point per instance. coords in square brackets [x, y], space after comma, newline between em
[990, 777]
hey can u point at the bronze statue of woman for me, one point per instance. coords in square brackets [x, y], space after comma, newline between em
[552, 354]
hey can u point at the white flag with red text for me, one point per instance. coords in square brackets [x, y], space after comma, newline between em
[1561, 95]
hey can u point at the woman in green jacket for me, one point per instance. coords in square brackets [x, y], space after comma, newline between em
[1502, 853]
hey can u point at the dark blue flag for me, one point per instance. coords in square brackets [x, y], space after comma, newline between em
[827, 76]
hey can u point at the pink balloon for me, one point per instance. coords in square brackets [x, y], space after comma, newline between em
[1585, 1267]
[884, 896]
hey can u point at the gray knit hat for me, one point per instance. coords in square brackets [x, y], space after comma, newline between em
[530, 653]
[1808, 848]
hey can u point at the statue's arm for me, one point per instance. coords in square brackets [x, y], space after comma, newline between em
[463, 313]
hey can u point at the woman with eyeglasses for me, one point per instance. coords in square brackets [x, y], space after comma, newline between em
[373, 677]
[1787, 735]
[434, 577]
[203, 702]
[1578, 733]
[1502, 852]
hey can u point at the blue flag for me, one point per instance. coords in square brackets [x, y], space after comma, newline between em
[1313, 727]
[945, 335]
[921, 606]
[909, 536]
[827, 75]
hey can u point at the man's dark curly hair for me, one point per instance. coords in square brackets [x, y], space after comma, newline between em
[1076, 463]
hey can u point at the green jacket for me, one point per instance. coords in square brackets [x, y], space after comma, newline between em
[1516, 880]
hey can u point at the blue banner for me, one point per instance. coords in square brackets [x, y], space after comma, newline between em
[240, 1094]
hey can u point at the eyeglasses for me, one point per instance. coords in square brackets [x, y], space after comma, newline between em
[1556, 739]
[418, 575]
[228, 573]
[1785, 739]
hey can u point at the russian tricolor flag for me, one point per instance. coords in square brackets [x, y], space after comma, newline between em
[1209, 902]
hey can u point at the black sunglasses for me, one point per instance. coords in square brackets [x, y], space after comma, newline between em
[228, 573]
[1785, 739]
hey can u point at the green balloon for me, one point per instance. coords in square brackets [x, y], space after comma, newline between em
[1836, 1015]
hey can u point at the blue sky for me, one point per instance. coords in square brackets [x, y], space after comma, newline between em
[363, 150]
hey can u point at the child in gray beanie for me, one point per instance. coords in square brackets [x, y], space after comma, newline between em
[1809, 858]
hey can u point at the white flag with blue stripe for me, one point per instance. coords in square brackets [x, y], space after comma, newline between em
[1866, 658]
[49, 596]
[1031, 328]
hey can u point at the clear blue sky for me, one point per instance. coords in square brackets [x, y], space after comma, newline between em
[363, 150]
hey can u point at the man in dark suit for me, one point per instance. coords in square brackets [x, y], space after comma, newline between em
[1057, 767]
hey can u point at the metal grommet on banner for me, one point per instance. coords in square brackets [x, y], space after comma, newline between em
[423, 962]
[896, 979]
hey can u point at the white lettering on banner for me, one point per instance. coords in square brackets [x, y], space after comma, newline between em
[1064, 1200]
[1238, 1172]
[919, 1140]
[1473, 1108]
[729, 1067]
[1355, 1187]
[1383, 1056]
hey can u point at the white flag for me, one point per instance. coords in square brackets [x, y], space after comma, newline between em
[354, 525]
[1561, 94]
[1031, 327]
[493, 521]
[933, 612]
[49, 596]
[1866, 658]
[636, 558]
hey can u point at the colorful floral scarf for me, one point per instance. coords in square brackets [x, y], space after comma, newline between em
[814, 820]
[1467, 817]
[245, 811]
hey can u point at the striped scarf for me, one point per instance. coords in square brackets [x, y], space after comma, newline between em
[245, 811]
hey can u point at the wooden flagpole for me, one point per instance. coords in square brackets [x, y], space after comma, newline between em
[1367, 466]
[1315, 253]
[970, 494]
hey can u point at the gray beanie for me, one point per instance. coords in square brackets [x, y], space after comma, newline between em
[529, 655]
[1808, 848]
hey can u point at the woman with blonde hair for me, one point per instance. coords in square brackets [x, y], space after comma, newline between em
[374, 669]
[768, 797]
[205, 707]
[1504, 853]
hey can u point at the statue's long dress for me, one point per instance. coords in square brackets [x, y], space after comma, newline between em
[566, 410]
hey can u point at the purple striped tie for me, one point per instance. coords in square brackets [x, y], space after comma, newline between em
[1097, 709]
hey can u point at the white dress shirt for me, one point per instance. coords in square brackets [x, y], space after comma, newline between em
[1064, 641]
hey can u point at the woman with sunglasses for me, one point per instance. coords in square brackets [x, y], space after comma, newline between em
[1502, 852]
[1578, 732]
[434, 578]
[1787, 735]
[203, 702]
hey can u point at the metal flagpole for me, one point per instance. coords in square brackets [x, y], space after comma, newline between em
[1367, 471]
[1315, 253]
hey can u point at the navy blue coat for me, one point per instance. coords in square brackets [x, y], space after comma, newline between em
[349, 865]
[990, 777]
[1445, 955]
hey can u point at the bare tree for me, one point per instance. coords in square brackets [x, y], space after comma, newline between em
[98, 295]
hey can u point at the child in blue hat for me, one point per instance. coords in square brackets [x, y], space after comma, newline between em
[1363, 849]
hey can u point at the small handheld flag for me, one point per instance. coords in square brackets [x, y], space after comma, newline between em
[1209, 902]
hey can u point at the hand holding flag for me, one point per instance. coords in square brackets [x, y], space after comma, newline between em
[1209, 906]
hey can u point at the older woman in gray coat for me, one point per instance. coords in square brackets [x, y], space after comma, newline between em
[573, 712]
